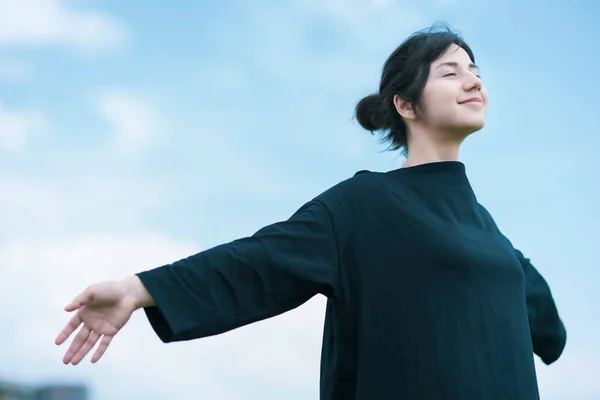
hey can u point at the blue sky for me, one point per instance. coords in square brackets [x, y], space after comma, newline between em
[134, 136]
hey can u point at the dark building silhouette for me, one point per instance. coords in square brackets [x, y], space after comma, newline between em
[14, 391]
[62, 392]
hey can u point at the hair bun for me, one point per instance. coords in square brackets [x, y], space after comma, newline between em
[370, 113]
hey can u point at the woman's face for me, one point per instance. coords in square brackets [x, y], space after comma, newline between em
[454, 99]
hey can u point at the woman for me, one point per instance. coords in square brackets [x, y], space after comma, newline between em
[426, 297]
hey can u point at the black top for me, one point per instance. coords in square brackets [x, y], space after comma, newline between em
[426, 298]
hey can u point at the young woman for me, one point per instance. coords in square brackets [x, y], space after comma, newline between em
[427, 299]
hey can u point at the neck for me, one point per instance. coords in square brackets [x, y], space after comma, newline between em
[427, 148]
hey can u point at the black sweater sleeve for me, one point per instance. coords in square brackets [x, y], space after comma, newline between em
[273, 271]
[548, 332]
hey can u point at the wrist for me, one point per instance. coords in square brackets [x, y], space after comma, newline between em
[137, 292]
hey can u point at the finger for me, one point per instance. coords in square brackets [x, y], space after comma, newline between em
[77, 343]
[79, 301]
[68, 329]
[87, 346]
[102, 348]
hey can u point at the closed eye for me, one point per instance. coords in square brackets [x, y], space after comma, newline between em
[450, 74]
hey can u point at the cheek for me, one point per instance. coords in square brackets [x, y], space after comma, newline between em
[439, 100]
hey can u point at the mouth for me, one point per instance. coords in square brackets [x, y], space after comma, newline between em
[474, 101]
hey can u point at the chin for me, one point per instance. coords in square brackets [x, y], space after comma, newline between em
[465, 127]
[475, 128]
[462, 131]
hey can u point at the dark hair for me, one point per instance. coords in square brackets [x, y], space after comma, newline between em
[405, 73]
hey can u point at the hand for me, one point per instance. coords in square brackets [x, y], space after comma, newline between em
[103, 309]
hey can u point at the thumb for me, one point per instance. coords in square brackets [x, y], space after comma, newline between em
[81, 300]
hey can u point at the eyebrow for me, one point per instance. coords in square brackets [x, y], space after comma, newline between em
[455, 64]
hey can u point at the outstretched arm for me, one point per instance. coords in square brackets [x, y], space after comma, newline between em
[278, 268]
[273, 271]
[548, 332]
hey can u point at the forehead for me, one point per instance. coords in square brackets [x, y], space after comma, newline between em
[454, 53]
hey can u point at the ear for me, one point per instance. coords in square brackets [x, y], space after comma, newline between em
[404, 108]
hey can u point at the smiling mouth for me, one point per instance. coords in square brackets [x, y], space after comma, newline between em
[472, 101]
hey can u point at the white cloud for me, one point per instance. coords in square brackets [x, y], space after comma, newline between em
[31, 206]
[16, 128]
[86, 202]
[41, 22]
[135, 124]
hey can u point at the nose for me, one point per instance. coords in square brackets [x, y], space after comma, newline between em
[473, 82]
